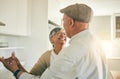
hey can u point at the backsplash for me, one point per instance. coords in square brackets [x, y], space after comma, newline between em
[8, 41]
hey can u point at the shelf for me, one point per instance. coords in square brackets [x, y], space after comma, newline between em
[114, 58]
[6, 52]
[8, 48]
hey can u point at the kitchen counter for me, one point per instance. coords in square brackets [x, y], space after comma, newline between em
[114, 63]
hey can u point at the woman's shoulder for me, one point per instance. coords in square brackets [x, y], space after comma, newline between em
[47, 53]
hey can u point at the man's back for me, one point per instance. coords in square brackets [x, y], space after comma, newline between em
[81, 60]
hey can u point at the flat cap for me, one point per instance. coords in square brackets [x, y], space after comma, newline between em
[79, 12]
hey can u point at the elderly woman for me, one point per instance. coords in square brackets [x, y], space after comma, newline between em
[58, 39]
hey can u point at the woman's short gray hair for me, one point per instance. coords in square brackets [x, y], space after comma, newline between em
[53, 31]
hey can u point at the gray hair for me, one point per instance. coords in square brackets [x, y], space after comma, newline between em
[53, 31]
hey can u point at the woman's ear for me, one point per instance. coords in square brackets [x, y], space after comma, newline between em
[51, 39]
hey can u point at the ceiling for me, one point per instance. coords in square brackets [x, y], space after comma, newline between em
[100, 7]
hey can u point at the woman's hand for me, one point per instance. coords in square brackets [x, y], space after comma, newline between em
[9, 63]
[18, 62]
[16, 59]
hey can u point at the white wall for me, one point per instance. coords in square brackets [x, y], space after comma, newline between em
[53, 11]
[101, 25]
[37, 43]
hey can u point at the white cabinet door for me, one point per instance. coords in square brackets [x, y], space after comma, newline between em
[14, 14]
[23, 17]
[8, 15]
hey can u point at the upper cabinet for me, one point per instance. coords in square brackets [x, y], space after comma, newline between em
[14, 13]
[116, 25]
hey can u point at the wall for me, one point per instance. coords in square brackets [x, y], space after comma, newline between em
[36, 44]
[101, 25]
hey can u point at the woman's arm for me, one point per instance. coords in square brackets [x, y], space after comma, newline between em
[41, 65]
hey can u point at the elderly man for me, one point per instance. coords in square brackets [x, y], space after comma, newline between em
[82, 59]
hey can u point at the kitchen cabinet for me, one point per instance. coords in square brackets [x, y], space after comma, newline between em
[116, 25]
[14, 13]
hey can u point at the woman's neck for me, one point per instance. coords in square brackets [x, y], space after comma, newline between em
[58, 48]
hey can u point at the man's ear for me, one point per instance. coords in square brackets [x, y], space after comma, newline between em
[71, 22]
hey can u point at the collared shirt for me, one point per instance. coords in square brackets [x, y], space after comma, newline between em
[82, 59]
